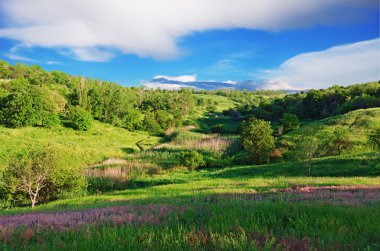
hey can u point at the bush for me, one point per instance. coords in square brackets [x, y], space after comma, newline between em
[290, 122]
[133, 119]
[217, 129]
[51, 120]
[374, 139]
[40, 175]
[151, 125]
[191, 159]
[258, 140]
[81, 119]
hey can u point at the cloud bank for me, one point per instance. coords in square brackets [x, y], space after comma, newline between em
[343, 65]
[96, 30]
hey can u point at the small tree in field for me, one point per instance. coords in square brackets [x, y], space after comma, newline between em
[340, 142]
[40, 175]
[192, 160]
[310, 147]
[30, 174]
[258, 140]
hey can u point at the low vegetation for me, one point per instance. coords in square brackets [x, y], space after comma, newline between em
[86, 164]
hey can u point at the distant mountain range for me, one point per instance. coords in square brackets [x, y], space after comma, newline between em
[164, 83]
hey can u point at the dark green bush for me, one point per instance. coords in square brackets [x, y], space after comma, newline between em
[191, 159]
[81, 119]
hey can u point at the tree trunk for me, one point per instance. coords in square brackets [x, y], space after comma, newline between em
[33, 199]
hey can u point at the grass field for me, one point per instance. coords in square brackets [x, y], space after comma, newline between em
[246, 207]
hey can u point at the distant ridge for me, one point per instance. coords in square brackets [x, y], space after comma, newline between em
[164, 83]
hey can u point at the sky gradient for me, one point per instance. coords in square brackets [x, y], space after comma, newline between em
[289, 44]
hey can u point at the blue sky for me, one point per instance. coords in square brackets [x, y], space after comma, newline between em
[278, 45]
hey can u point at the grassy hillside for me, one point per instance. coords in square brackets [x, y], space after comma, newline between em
[250, 207]
[356, 123]
[81, 148]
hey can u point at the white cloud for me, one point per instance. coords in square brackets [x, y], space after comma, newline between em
[230, 82]
[164, 86]
[15, 54]
[151, 28]
[343, 65]
[184, 78]
[16, 57]
[51, 62]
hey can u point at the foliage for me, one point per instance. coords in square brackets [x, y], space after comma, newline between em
[133, 120]
[26, 106]
[316, 104]
[310, 147]
[191, 159]
[40, 176]
[258, 140]
[81, 119]
[290, 122]
[374, 139]
[340, 142]
[151, 125]
[217, 128]
[51, 120]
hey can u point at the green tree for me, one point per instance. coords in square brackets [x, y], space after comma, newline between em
[258, 140]
[310, 146]
[374, 139]
[340, 142]
[150, 124]
[5, 71]
[40, 175]
[133, 119]
[81, 118]
[191, 159]
[290, 122]
[164, 119]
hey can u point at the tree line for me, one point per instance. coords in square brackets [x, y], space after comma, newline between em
[31, 96]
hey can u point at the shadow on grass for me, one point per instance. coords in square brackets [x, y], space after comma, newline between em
[228, 124]
[366, 165]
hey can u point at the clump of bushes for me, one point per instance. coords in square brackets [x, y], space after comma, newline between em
[39, 176]
[191, 159]
[290, 122]
[81, 119]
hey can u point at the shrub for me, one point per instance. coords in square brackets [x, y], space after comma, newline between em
[133, 119]
[191, 159]
[258, 140]
[151, 125]
[81, 119]
[40, 176]
[51, 120]
[217, 129]
[153, 170]
[374, 139]
[290, 122]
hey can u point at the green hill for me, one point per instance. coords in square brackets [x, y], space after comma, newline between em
[80, 148]
[356, 124]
